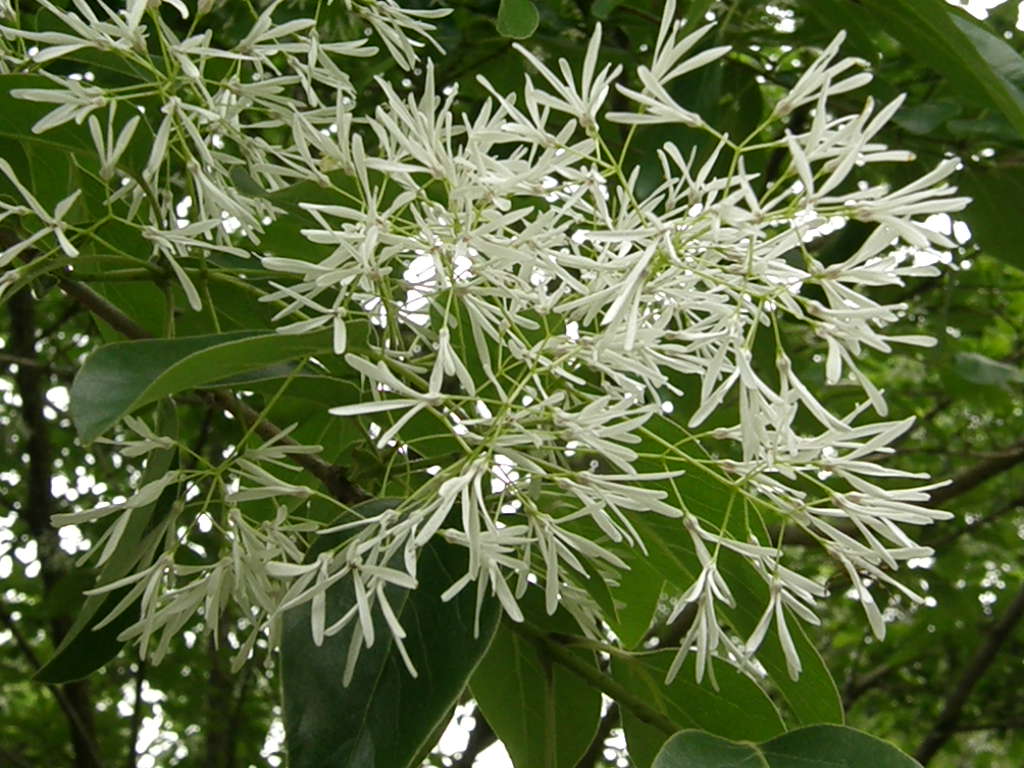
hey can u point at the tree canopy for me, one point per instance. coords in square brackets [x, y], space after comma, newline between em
[628, 383]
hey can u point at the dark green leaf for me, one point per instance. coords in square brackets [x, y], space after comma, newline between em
[923, 119]
[696, 749]
[833, 746]
[638, 593]
[935, 34]
[544, 714]
[118, 378]
[999, 54]
[731, 705]
[820, 746]
[385, 718]
[813, 697]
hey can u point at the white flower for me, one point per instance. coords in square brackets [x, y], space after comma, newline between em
[552, 312]
[582, 100]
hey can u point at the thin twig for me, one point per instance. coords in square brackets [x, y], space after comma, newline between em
[978, 474]
[939, 543]
[480, 738]
[9, 359]
[952, 708]
[136, 719]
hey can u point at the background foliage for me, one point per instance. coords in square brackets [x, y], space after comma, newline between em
[942, 685]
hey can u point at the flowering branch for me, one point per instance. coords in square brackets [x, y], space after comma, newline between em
[549, 348]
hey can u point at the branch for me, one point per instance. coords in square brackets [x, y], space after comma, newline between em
[8, 359]
[333, 477]
[952, 709]
[857, 687]
[102, 308]
[38, 508]
[941, 542]
[978, 474]
[136, 718]
[1014, 725]
[595, 677]
[480, 738]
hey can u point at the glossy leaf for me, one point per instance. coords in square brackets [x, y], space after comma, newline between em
[820, 746]
[120, 377]
[973, 65]
[545, 715]
[385, 718]
[731, 705]
[696, 749]
[813, 697]
[832, 746]
[637, 596]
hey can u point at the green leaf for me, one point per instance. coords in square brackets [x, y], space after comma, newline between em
[995, 126]
[999, 54]
[545, 715]
[517, 19]
[638, 594]
[385, 718]
[931, 32]
[120, 377]
[813, 697]
[985, 371]
[820, 746]
[834, 746]
[732, 706]
[923, 119]
[696, 749]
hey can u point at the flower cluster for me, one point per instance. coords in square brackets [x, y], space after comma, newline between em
[583, 340]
